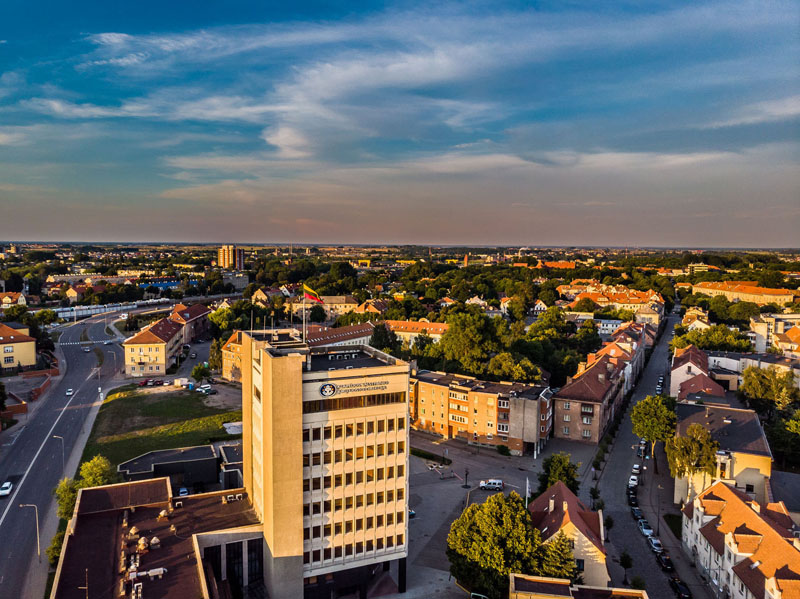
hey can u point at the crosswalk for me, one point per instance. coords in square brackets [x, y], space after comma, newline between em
[85, 342]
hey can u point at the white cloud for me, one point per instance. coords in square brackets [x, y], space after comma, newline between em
[763, 112]
[290, 143]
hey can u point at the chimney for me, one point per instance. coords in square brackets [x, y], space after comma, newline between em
[552, 505]
[564, 506]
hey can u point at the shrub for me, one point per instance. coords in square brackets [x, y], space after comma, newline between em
[54, 550]
[503, 450]
[596, 464]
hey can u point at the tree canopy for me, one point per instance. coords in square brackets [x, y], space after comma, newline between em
[556, 468]
[653, 421]
[718, 337]
[692, 453]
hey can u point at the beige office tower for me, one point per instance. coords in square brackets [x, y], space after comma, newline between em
[229, 256]
[325, 463]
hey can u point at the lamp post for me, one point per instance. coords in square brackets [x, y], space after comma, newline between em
[63, 461]
[658, 505]
[36, 509]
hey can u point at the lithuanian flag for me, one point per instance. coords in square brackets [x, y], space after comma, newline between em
[309, 293]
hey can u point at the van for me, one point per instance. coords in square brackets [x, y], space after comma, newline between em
[493, 484]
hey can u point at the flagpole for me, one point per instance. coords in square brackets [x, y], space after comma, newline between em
[304, 314]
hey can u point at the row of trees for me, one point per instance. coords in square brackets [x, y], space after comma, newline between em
[716, 338]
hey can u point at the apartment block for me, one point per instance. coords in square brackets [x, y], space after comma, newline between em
[151, 351]
[769, 328]
[516, 415]
[19, 348]
[745, 291]
[325, 440]
[745, 549]
[230, 257]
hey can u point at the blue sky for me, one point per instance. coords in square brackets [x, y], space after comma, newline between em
[482, 122]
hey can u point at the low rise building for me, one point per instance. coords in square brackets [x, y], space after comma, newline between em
[516, 415]
[12, 298]
[372, 306]
[18, 348]
[525, 586]
[744, 458]
[408, 330]
[745, 291]
[767, 329]
[334, 305]
[687, 363]
[151, 351]
[558, 510]
[193, 319]
[746, 549]
[357, 334]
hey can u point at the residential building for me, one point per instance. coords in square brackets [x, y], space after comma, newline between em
[700, 383]
[744, 458]
[357, 334]
[151, 351]
[372, 306]
[516, 415]
[746, 291]
[263, 297]
[18, 348]
[325, 442]
[746, 549]
[230, 257]
[232, 358]
[194, 320]
[539, 307]
[767, 329]
[408, 330]
[558, 510]
[696, 319]
[525, 586]
[687, 362]
[334, 305]
[627, 347]
[586, 404]
[789, 342]
[12, 298]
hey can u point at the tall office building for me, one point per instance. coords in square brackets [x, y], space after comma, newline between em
[229, 256]
[325, 440]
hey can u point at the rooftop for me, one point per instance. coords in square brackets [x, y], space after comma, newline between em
[231, 453]
[145, 462]
[469, 383]
[557, 506]
[524, 586]
[734, 429]
[352, 357]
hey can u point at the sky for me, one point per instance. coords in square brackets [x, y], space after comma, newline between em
[513, 123]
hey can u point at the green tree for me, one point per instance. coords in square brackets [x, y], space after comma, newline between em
[504, 366]
[200, 372]
[317, 313]
[383, 338]
[558, 560]
[585, 305]
[469, 341]
[692, 453]
[97, 471]
[215, 355]
[626, 563]
[558, 467]
[769, 391]
[653, 421]
[54, 550]
[719, 337]
[608, 522]
[66, 494]
[490, 540]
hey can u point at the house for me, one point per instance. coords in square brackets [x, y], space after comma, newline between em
[587, 403]
[12, 298]
[525, 586]
[408, 330]
[357, 334]
[516, 415]
[744, 458]
[746, 549]
[18, 348]
[194, 319]
[539, 307]
[372, 306]
[334, 305]
[76, 293]
[263, 297]
[232, 358]
[789, 342]
[446, 302]
[767, 327]
[558, 510]
[700, 383]
[151, 351]
[686, 363]
[649, 314]
[477, 301]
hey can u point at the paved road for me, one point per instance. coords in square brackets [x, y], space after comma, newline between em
[34, 461]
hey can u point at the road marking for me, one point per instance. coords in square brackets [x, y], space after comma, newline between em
[18, 486]
[14, 437]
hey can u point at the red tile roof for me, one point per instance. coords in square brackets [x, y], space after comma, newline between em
[9, 335]
[183, 314]
[162, 331]
[566, 508]
[700, 383]
[319, 336]
[417, 326]
[690, 354]
[593, 383]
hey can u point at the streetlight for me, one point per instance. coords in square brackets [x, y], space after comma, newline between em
[658, 506]
[113, 353]
[38, 546]
[63, 461]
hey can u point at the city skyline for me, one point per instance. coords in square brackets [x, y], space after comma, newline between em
[464, 124]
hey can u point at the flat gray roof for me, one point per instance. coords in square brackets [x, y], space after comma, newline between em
[145, 462]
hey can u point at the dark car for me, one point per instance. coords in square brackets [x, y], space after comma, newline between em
[636, 513]
[211, 391]
[681, 590]
[665, 562]
[632, 500]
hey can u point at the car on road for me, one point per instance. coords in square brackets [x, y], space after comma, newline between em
[5, 489]
[412, 513]
[493, 484]
[637, 469]
[655, 544]
[632, 500]
[645, 528]
[143, 383]
[183, 492]
[193, 355]
[636, 513]
[633, 481]
[665, 562]
[679, 587]
[86, 350]
[70, 392]
[107, 342]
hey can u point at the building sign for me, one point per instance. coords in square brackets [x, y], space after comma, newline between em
[362, 387]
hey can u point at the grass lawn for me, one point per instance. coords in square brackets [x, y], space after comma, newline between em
[675, 523]
[132, 422]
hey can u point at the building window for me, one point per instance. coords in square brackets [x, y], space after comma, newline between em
[502, 428]
[541, 428]
[566, 430]
[566, 405]
[567, 417]
[587, 434]
[8, 360]
[587, 419]
[9, 349]
[579, 564]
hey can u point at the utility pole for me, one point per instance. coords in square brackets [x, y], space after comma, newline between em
[38, 546]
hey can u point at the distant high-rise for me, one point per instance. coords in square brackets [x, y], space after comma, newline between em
[229, 256]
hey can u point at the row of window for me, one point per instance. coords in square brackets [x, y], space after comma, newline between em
[357, 525]
[585, 433]
[149, 349]
[325, 507]
[345, 431]
[369, 475]
[349, 403]
[352, 549]
[338, 456]
[584, 419]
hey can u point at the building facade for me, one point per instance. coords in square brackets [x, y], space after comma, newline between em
[230, 257]
[745, 291]
[18, 348]
[151, 351]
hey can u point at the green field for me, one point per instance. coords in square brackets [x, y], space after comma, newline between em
[131, 422]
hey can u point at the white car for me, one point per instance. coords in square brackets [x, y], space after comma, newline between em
[493, 484]
[70, 392]
[633, 481]
[5, 489]
[645, 528]
[655, 544]
[86, 350]
[637, 469]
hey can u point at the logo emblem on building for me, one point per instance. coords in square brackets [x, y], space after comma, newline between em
[327, 390]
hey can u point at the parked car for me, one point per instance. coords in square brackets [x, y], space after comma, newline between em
[645, 528]
[637, 469]
[5, 489]
[636, 513]
[70, 392]
[632, 500]
[640, 452]
[123, 316]
[86, 350]
[655, 544]
[679, 587]
[411, 513]
[143, 383]
[150, 382]
[665, 562]
[193, 355]
[183, 492]
[633, 481]
[204, 387]
[210, 391]
[493, 484]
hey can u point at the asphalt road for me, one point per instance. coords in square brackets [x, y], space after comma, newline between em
[34, 461]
